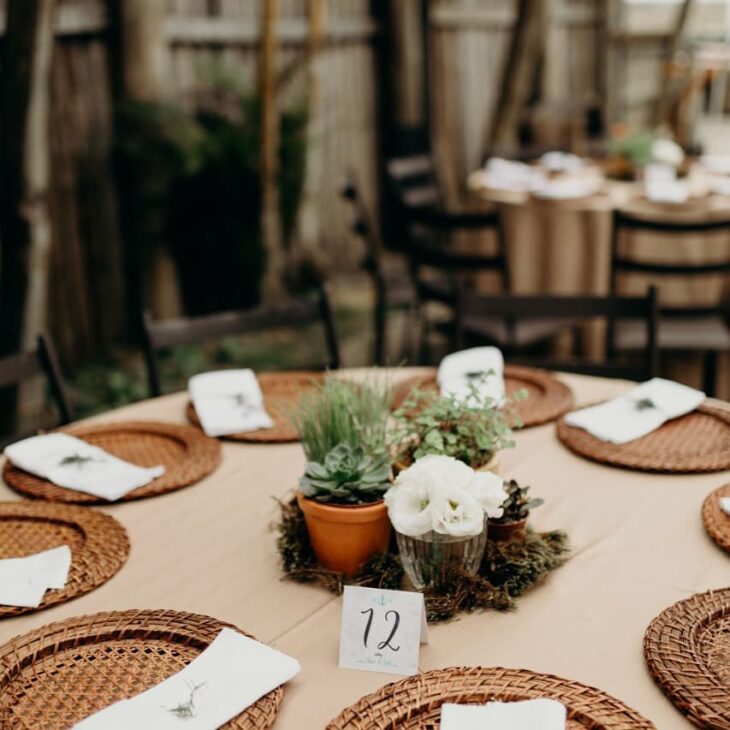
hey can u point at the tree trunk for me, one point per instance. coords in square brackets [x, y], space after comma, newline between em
[25, 176]
[272, 286]
[306, 243]
[526, 50]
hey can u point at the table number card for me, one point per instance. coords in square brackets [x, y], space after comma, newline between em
[382, 631]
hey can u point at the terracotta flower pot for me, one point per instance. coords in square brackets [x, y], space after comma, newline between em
[504, 531]
[344, 537]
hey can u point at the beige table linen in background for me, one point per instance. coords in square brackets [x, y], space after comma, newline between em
[638, 541]
[564, 247]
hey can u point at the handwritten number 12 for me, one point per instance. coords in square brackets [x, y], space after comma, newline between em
[383, 644]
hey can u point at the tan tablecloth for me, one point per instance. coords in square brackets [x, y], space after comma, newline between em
[638, 547]
[564, 247]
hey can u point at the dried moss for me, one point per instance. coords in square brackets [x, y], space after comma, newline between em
[507, 571]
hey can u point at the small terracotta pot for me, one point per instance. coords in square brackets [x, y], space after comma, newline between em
[344, 537]
[504, 531]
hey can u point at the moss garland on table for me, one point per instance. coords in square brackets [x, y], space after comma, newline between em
[507, 570]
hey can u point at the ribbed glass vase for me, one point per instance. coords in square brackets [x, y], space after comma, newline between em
[426, 556]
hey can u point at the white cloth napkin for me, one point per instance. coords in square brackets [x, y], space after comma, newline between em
[719, 164]
[501, 174]
[541, 714]
[567, 188]
[460, 369]
[622, 419]
[557, 161]
[24, 581]
[725, 505]
[228, 401]
[661, 185]
[225, 679]
[75, 464]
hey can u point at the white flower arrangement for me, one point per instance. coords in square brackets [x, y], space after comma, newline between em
[667, 152]
[442, 494]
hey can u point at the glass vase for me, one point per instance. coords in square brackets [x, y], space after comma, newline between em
[425, 557]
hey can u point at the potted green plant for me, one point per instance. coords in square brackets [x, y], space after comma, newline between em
[472, 430]
[344, 432]
[515, 511]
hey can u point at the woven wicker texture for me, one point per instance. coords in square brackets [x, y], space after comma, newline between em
[547, 398]
[282, 392]
[99, 545]
[687, 648]
[717, 522]
[415, 703]
[187, 455]
[697, 442]
[59, 674]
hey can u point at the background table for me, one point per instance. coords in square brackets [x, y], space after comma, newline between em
[564, 247]
[638, 546]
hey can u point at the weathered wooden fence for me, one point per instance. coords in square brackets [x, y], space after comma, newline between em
[598, 52]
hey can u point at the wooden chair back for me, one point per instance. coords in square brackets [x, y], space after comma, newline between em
[625, 263]
[573, 308]
[196, 330]
[41, 361]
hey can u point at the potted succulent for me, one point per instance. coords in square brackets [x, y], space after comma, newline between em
[515, 511]
[344, 432]
[439, 508]
[472, 430]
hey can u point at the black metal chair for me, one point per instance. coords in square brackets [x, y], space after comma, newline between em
[393, 284]
[681, 329]
[438, 270]
[512, 309]
[159, 335]
[40, 361]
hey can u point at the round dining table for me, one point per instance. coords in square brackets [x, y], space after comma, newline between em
[638, 546]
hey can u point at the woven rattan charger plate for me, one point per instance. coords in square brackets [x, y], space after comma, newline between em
[59, 674]
[282, 392]
[547, 398]
[415, 703]
[99, 545]
[687, 648]
[187, 455]
[717, 522]
[697, 442]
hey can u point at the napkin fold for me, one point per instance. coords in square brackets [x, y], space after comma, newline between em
[636, 413]
[725, 505]
[24, 581]
[557, 161]
[228, 401]
[661, 185]
[226, 678]
[501, 174]
[567, 188]
[540, 714]
[70, 462]
[480, 366]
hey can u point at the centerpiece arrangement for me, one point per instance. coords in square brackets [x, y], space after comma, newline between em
[424, 470]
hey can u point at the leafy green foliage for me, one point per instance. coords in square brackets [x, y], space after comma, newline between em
[429, 423]
[346, 476]
[636, 147]
[340, 412]
[517, 506]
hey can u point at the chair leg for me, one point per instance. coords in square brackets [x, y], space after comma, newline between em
[709, 372]
[379, 326]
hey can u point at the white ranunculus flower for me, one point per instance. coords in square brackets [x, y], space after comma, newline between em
[409, 509]
[457, 513]
[435, 473]
[488, 489]
[666, 152]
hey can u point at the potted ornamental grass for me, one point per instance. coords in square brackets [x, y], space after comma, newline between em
[472, 430]
[343, 428]
[512, 523]
[439, 507]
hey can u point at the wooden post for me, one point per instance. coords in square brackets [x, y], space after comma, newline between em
[305, 246]
[25, 173]
[408, 71]
[526, 50]
[272, 286]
